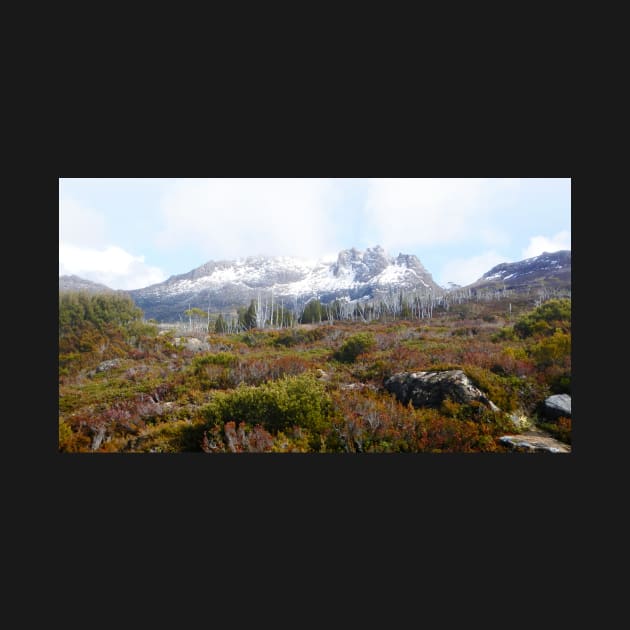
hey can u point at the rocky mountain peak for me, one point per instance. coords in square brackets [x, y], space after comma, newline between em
[224, 285]
[363, 265]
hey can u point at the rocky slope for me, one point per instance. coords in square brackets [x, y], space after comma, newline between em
[551, 271]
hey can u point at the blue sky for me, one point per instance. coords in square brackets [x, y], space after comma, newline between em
[130, 233]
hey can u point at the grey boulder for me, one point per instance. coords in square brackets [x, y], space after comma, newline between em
[430, 389]
[533, 443]
[557, 406]
[108, 365]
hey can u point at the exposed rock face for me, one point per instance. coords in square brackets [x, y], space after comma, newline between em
[429, 389]
[226, 285]
[192, 343]
[534, 443]
[108, 365]
[557, 406]
[357, 386]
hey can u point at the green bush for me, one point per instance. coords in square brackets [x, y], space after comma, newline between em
[501, 390]
[312, 313]
[253, 338]
[553, 349]
[545, 319]
[278, 405]
[295, 336]
[77, 309]
[287, 339]
[352, 347]
[560, 429]
[505, 334]
[65, 436]
[476, 412]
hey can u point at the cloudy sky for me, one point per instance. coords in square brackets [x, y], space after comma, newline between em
[130, 233]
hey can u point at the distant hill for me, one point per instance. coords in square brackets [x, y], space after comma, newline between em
[75, 283]
[550, 271]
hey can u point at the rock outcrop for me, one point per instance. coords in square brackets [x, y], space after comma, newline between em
[430, 389]
[534, 443]
[107, 365]
[557, 406]
[192, 343]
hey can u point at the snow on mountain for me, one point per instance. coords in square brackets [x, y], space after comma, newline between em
[227, 284]
[75, 283]
[352, 275]
[547, 269]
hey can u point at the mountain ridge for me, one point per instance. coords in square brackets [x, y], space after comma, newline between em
[224, 285]
[550, 270]
[76, 283]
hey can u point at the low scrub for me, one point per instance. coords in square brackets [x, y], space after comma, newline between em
[278, 405]
[353, 346]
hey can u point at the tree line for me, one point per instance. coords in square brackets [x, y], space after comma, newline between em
[267, 312]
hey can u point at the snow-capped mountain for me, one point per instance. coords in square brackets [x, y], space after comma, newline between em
[550, 270]
[225, 285]
[353, 275]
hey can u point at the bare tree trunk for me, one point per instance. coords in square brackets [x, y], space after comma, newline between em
[98, 438]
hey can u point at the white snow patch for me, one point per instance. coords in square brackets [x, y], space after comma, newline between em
[314, 277]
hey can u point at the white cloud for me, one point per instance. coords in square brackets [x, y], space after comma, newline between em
[408, 213]
[227, 218]
[80, 225]
[466, 270]
[111, 266]
[84, 251]
[539, 244]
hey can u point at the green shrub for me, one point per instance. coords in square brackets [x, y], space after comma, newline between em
[553, 349]
[312, 313]
[295, 441]
[77, 309]
[353, 346]
[476, 412]
[295, 336]
[501, 390]
[287, 339]
[545, 319]
[377, 370]
[253, 338]
[505, 334]
[65, 437]
[561, 384]
[560, 429]
[278, 405]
